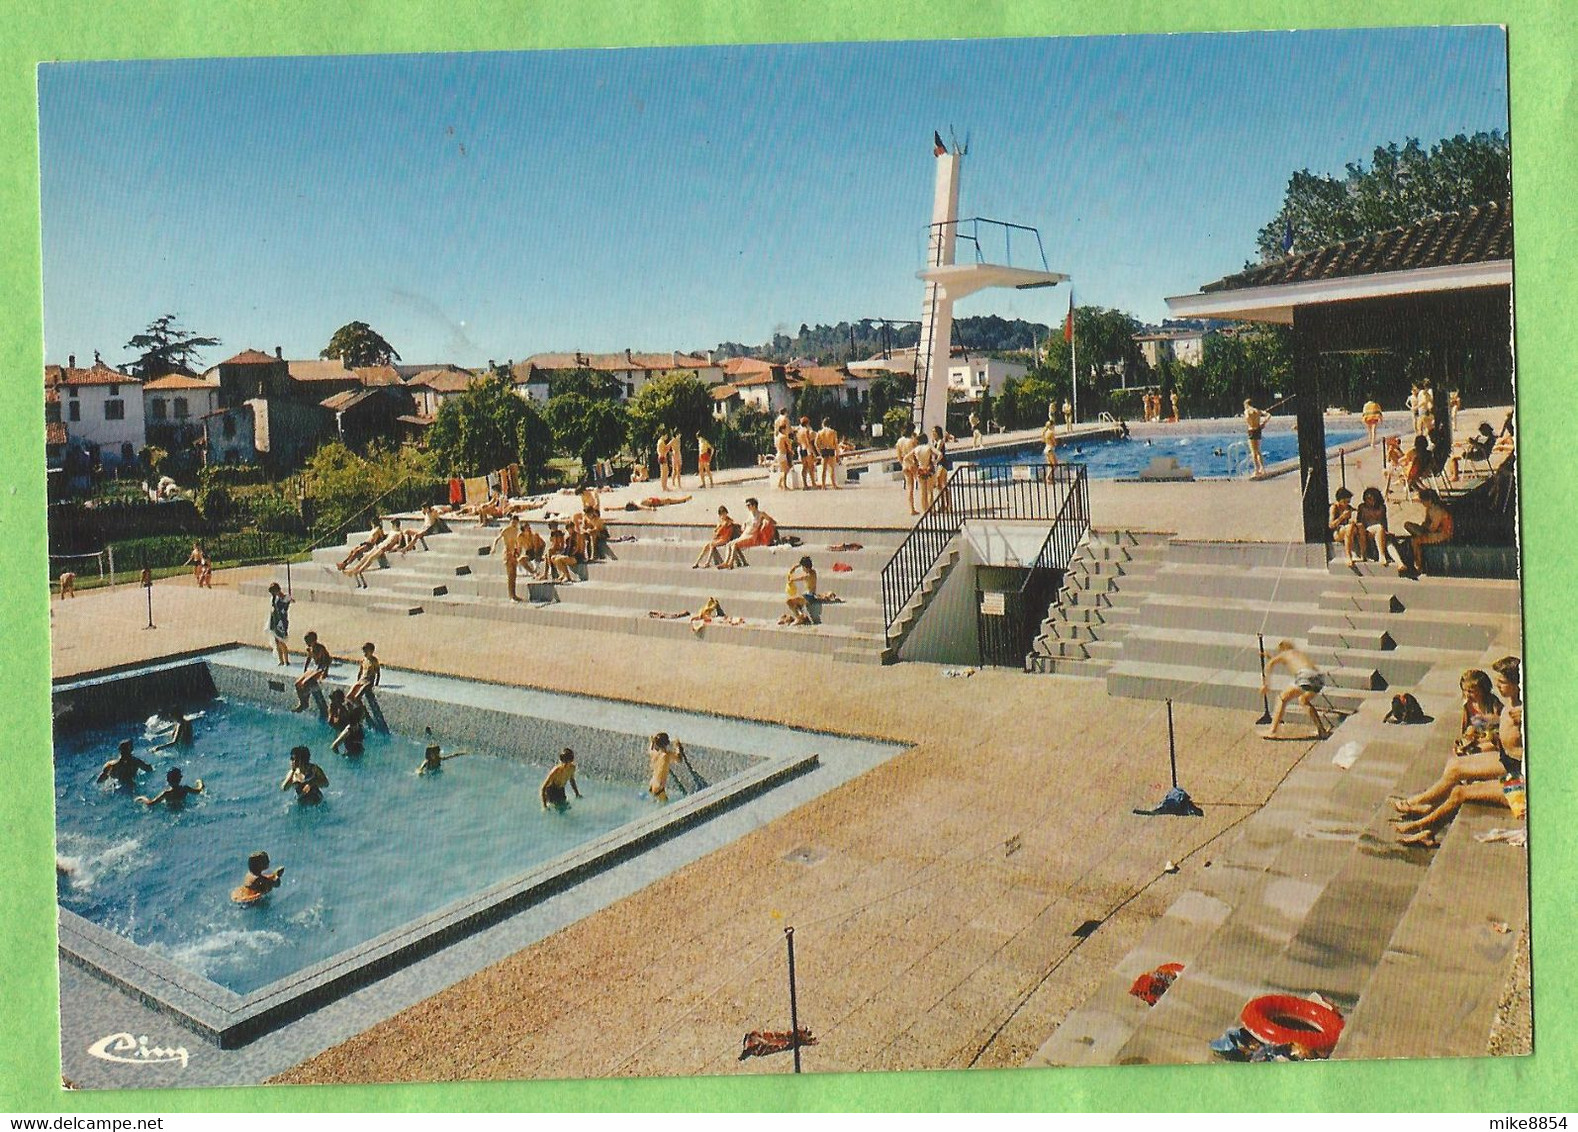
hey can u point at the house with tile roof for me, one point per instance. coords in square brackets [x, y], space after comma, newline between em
[251, 373]
[630, 369]
[173, 407]
[101, 410]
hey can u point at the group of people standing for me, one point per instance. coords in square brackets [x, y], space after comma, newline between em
[811, 454]
[926, 465]
[1159, 407]
[671, 460]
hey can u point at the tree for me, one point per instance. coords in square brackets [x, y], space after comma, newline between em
[590, 383]
[590, 430]
[357, 344]
[673, 401]
[165, 348]
[479, 430]
[1402, 185]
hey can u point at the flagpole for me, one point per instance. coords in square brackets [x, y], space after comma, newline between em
[1073, 368]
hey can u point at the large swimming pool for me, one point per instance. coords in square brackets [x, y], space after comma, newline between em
[390, 866]
[1211, 455]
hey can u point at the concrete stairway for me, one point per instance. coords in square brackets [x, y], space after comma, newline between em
[1314, 895]
[1161, 618]
[460, 576]
[915, 608]
[1076, 638]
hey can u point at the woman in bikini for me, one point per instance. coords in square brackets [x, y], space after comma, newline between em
[723, 534]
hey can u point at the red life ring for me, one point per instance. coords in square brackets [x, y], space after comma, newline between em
[1315, 1027]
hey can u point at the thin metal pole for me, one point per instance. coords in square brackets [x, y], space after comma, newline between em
[794, 1008]
[1172, 752]
[288, 591]
[1265, 703]
[1342, 464]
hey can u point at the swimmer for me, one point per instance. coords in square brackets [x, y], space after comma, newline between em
[174, 792]
[124, 767]
[1308, 681]
[180, 731]
[305, 777]
[551, 793]
[346, 715]
[433, 762]
[259, 880]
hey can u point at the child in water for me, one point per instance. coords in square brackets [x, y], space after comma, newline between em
[259, 881]
[305, 777]
[432, 762]
[175, 791]
[552, 791]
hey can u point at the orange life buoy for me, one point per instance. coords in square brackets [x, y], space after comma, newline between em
[1281, 1019]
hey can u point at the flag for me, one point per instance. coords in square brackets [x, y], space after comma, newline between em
[1287, 234]
[936, 141]
[1068, 323]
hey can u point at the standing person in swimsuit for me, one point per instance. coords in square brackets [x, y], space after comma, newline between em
[805, 445]
[783, 447]
[663, 754]
[510, 535]
[202, 568]
[1254, 427]
[279, 622]
[1308, 682]
[663, 460]
[827, 445]
[925, 461]
[975, 429]
[676, 460]
[939, 445]
[551, 793]
[704, 460]
[1049, 447]
[904, 450]
[1371, 415]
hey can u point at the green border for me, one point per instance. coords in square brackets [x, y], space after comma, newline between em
[1543, 42]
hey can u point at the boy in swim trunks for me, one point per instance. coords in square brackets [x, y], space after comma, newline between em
[1308, 681]
[305, 777]
[662, 754]
[551, 793]
[313, 670]
[124, 767]
[259, 879]
[368, 673]
[827, 446]
[175, 791]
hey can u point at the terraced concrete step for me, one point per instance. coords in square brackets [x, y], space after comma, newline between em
[401, 609]
[1361, 602]
[1232, 652]
[1213, 687]
[1064, 666]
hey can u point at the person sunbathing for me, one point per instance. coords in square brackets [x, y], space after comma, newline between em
[1494, 776]
[723, 534]
[389, 542]
[374, 536]
[653, 502]
[430, 525]
[761, 529]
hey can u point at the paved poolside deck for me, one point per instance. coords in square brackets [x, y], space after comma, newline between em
[936, 899]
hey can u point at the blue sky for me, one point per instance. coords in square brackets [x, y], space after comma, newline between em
[498, 205]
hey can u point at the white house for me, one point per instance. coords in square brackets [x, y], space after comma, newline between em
[101, 409]
[1181, 344]
[176, 402]
[433, 387]
[973, 376]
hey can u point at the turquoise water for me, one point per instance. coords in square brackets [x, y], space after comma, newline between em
[1208, 454]
[383, 848]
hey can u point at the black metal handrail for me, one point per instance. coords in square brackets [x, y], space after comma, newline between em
[1059, 495]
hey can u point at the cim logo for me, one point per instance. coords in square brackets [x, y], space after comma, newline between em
[129, 1050]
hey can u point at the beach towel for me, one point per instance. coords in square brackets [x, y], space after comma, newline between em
[760, 1043]
[1150, 986]
[843, 568]
[476, 489]
[457, 491]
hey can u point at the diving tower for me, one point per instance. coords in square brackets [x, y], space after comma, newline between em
[947, 280]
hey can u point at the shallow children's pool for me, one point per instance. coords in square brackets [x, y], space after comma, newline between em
[390, 866]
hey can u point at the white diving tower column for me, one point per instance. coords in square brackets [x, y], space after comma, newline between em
[947, 282]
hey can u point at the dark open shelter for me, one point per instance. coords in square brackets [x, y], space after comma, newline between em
[1440, 288]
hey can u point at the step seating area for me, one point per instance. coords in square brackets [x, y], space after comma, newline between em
[461, 576]
[1313, 894]
[1159, 618]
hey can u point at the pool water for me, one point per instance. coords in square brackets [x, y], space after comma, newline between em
[1210, 455]
[162, 877]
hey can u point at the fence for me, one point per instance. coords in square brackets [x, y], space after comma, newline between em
[1059, 495]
